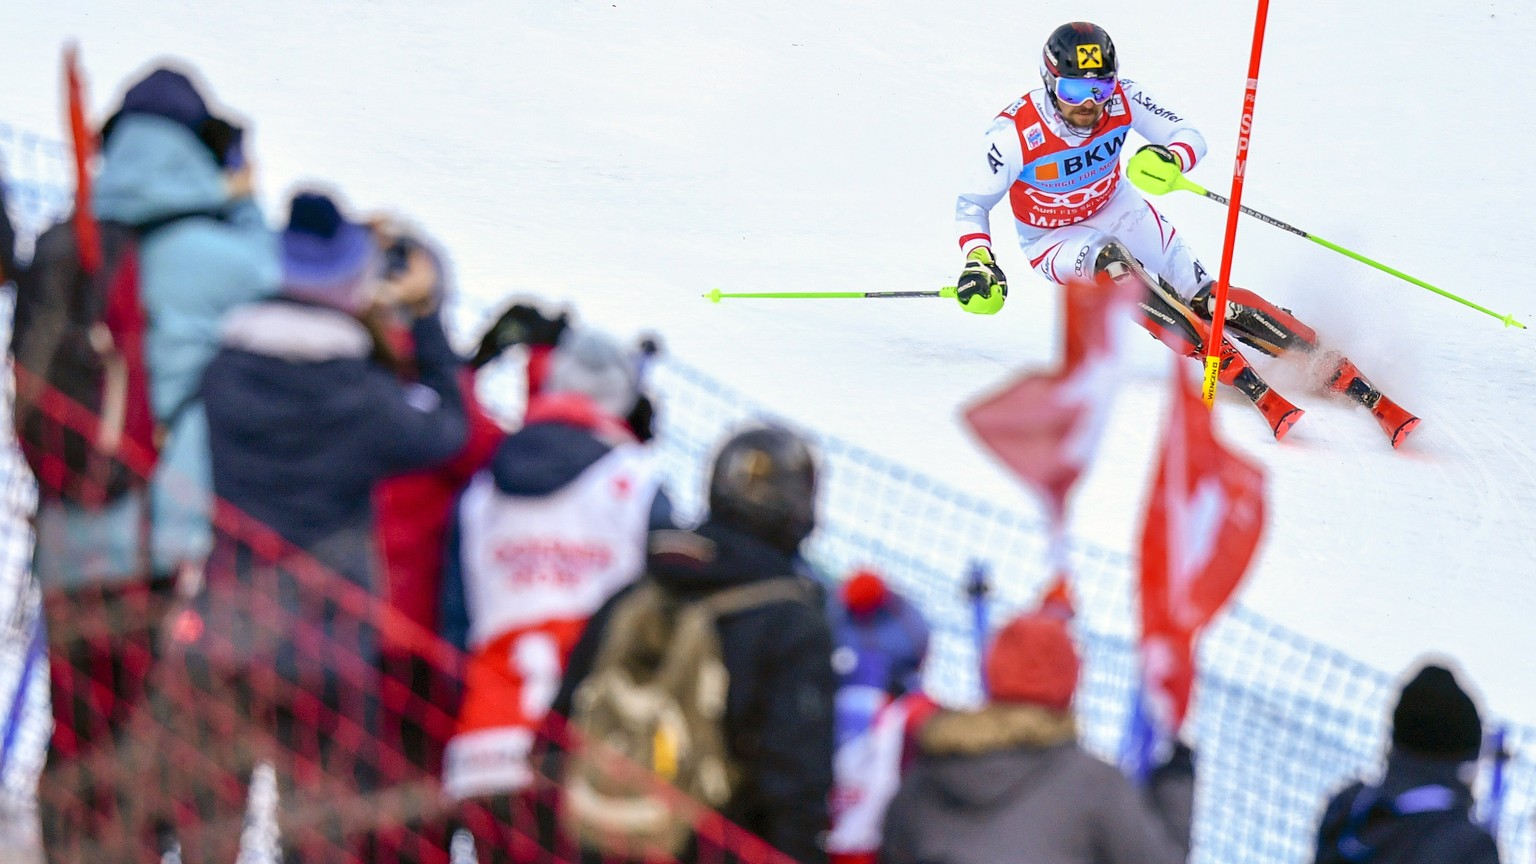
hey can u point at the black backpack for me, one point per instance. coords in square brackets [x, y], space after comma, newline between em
[83, 415]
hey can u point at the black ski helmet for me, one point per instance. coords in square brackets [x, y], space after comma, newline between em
[1077, 50]
[764, 483]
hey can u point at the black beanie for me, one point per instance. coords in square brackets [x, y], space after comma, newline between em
[1436, 718]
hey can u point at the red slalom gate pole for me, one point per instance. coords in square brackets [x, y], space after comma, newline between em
[1234, 207]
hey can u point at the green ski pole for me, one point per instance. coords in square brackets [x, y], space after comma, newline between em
[717, 295]
[1184, 183]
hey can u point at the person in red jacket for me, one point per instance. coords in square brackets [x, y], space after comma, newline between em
[414, 509]
[413, 514]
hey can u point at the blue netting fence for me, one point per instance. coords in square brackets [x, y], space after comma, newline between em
[1279, 722]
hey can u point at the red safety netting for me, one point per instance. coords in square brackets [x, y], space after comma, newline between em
[248, 708]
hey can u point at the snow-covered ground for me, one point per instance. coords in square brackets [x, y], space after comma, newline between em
[628, 156]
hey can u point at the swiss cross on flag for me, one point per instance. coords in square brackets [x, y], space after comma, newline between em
[1046, 426]
[1203, 523]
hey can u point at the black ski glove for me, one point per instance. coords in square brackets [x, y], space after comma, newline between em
[642, 419]
[523, 324]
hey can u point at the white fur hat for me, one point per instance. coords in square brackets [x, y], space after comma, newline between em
[596, 366]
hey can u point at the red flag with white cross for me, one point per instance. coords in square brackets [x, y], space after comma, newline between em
[1046, 427]
[1203, 523]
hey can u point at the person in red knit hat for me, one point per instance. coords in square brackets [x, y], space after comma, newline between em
[882, 640]
[1009, 781]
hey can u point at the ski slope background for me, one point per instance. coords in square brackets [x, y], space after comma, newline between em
[627, 157]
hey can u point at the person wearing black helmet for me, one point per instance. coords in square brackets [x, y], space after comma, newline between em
[777, 651]
[1055, 154]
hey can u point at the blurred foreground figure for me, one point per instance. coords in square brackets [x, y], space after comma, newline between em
[714, 672]
[552, 528]
[275, 660]
[177, 180]
[1009, 782]
[20, 832]
[1420, 811]
[882, 640]
[182, 243]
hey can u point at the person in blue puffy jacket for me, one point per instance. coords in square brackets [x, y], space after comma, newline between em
[169, 162]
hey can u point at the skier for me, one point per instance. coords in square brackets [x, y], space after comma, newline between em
[1055, 154]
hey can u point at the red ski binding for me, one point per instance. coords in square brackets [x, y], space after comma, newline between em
[1394, 421]
[1279, 413]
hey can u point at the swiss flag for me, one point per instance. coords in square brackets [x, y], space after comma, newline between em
[1046, 426]
[1204, 520]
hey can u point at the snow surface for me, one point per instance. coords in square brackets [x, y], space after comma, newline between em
[628, 156]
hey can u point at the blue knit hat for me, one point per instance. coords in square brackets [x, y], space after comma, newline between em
[326, 258]
[169, 94]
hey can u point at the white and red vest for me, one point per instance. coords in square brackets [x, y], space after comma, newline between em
[1065, 181]
[535, 569]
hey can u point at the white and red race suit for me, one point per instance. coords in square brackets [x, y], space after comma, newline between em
[535, 569]
[1065, 187]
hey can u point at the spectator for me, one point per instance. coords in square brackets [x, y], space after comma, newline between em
[414, 510]
[179, 176]
[554, 527]
[182, 176]
[881, 642]
[777, 723]
[1009, 782]
[412, 513]
[304, 422]
[1420, 810]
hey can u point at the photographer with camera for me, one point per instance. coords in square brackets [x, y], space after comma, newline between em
[306, 413]
[304, 418]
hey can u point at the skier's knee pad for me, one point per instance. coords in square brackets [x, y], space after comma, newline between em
[1163, 312]
[1110, 256]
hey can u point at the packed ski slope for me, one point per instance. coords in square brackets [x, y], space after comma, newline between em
[626, 157]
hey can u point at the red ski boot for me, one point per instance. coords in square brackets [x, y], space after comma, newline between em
[1344, 378]
[1280, 414]
[1394, 421]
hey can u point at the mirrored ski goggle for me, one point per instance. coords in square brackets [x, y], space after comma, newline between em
[1076, 91]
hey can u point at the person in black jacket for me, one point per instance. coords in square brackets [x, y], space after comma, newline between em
[779, 701]
[1419, 813]
[303, 421]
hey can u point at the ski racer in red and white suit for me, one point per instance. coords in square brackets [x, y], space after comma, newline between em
[1067, 192]
[1055, 154]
